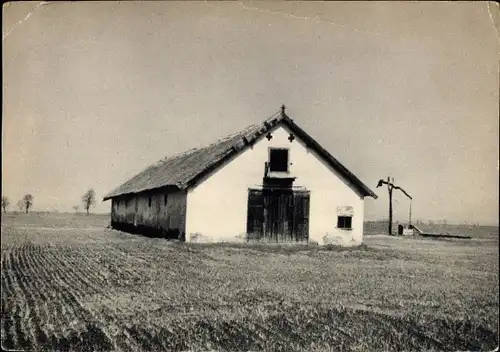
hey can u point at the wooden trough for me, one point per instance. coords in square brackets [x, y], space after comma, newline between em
[436, 234]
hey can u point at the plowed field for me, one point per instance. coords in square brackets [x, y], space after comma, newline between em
[68, 283]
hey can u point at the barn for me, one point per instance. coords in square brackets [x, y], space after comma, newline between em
[271, 182]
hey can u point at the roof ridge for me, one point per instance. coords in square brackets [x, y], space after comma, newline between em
[225, 138]
[239, 132]
[171, 156]
[170, 169]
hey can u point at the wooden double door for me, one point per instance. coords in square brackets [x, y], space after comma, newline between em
[278, 215]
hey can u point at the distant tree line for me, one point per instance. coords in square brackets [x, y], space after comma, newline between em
[26, 203]
[5, 203]
[23, 204]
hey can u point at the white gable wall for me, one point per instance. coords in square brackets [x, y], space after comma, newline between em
[217, 207]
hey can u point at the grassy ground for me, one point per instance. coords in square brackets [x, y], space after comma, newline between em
[70, 284]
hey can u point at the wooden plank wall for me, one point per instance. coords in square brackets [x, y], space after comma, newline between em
[151, 211]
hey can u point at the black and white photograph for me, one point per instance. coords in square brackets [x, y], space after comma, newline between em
[250, 176]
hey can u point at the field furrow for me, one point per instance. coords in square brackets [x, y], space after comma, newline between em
[66, 288]
[77, 275]
[75, 316]
[53, 315]
[12, 315]
[36, 289]
[70, 287]
[8, 299]
[86, 261]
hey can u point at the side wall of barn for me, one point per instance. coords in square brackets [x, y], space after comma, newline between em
[217, 206]
[157, 213]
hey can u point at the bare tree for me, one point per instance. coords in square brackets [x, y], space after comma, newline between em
[20, 205]
[27, 202]
[75, 207]
[5, 203]
[88, 199]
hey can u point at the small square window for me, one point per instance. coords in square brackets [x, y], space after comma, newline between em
[344, 222]
[278, 160]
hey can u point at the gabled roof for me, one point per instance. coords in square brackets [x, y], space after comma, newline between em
[183, 170]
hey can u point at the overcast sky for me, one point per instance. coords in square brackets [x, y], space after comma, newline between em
[93, 92]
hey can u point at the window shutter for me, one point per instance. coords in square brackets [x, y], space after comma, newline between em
[255, 213]
[301, 215]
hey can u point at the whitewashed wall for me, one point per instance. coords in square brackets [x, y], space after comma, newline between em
[217, 206]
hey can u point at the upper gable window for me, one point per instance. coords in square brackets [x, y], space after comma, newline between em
[278, 160]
